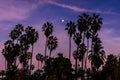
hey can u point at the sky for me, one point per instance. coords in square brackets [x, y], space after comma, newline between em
[36, 12]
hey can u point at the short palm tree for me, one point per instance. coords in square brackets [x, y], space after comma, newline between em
[39, 57]
[97, 55]
[8, 53]
[52, 44]
[71, 29]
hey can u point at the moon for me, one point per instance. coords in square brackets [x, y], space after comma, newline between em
[62, 20]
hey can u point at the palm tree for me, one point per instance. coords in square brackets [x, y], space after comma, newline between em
[77, 39]
[71, 29]
[8, 53]
[16, 32]
[48, 30]
[32, 36]
[83, 24]
[88, 36]
[52, 44]
[39, 57]
[97, 55]
[24, 56]
[14, 35]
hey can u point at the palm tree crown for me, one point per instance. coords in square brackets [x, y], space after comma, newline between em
[52, 43]
[71, 28]
[47, 28]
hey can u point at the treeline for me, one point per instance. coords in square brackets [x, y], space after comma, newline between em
[89, 50]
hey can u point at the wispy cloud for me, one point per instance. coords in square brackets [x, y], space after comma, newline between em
[78, 9]
[16, 9]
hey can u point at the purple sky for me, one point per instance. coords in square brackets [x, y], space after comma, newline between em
[37, 12]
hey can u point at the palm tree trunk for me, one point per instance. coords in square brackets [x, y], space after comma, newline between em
[38, 64]
[87, 54]
[70, 48]
[76, 69]
[50, 54]
[41, 65]
[5, 64]
[76, 65]
[31, 59]
[83, 53]
[82, 64]
[46, 47]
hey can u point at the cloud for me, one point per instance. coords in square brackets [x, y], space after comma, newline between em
[74, 8]
[16, 9]
[78, 9]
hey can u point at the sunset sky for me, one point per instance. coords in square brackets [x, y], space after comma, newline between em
[59, 12]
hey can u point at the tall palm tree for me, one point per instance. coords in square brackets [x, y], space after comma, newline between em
[52, 44]
[32, 36]
[71, 29]
[39, 57]
[48, 30]
[88, 36]
[77, 39]
[83, 24]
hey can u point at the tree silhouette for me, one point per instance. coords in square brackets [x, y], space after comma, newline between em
[88, 46]
[97, 55]
[14, 35]
[39, 57]
[58, 68]
[76, 54]
[32, 36]
[47, 29]
[83, 24]
[24, 47]
[52, 44]
[10, 56]
[71, 29]
[16, 32]
[110, 66]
